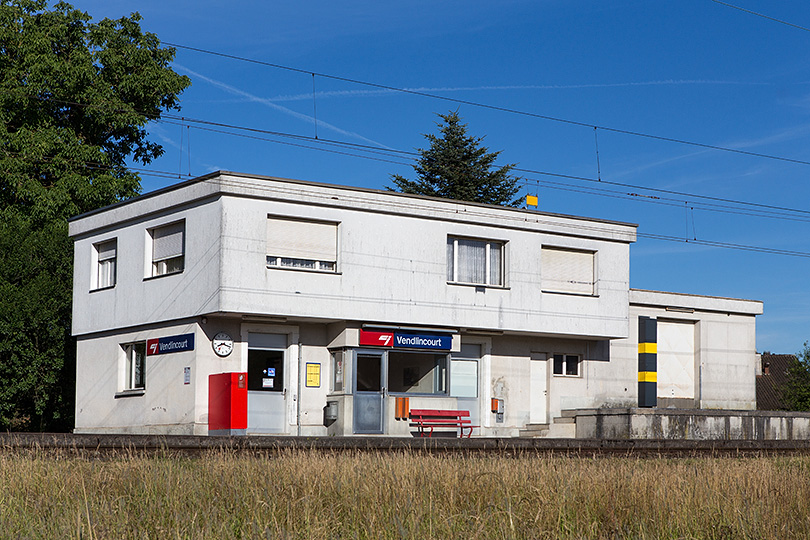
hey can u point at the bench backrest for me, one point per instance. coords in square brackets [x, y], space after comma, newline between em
[438, 413]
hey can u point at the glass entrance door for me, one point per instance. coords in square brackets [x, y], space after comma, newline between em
[369, 392]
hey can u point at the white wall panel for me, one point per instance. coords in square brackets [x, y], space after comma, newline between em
[676, 359]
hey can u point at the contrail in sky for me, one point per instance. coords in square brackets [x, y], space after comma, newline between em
[270, 103]
[351, 93]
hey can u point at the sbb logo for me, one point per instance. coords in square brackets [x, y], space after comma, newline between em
[376, 339]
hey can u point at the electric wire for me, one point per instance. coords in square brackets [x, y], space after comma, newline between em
[396, 153]
[166, 174]
[586, 226]
[774, 19]
[493, 107]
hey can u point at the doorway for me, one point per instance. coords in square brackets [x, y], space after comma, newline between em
[538, 396]
[369, 393]
[267, 391]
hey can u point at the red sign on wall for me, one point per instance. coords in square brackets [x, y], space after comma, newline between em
[376, 339]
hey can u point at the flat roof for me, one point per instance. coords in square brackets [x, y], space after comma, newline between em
[215, 174]
[695, 301]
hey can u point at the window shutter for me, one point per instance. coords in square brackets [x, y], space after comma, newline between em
[106, 250]
[297, 239]
[566, 270]
[167, 242]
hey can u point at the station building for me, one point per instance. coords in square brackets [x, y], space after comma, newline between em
[335, 303]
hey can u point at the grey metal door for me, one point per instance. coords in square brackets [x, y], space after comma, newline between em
[369, 392]
[267, 393]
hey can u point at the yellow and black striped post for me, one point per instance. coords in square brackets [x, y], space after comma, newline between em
[647, 362]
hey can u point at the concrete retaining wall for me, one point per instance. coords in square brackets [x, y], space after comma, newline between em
[691, 424]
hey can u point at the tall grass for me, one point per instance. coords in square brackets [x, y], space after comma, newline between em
[312, 495]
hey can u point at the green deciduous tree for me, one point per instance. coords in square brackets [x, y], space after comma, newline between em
[75, 99]
[796, 391]
[456, 166]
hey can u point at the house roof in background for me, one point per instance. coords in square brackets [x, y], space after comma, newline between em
[770, 382]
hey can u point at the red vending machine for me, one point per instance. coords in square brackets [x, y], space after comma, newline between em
[227, 404]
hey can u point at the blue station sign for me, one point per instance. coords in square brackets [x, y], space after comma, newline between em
[170, 344]
[423, 341]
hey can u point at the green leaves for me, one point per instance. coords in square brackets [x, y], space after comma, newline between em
[796, 391]
[75, 100]
[456, 166]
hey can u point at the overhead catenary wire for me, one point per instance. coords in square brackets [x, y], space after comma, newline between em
[710, 243]
[491, 107]
[401, 153]
[774, 19]
[397, 153]
[392, 152]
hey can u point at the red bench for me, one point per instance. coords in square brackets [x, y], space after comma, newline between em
[423, 419]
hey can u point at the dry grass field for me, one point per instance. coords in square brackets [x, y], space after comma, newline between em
[312, 495]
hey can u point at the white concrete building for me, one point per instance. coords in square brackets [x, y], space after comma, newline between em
[354, 297]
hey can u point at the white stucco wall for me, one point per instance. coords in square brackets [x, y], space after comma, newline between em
[725, 345]
[137, 298]
[391, 269]
[391, 261]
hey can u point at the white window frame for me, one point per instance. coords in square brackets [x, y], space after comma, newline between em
[105, 264]
[462, 358]
[566, 357]
[453, 266]
[439, 380]
[130, 381]
[175, 262]
[339, 370]
[279, 256]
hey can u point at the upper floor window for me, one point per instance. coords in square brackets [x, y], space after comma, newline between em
[567, 270]
[106, 254]
[168, 248]
[301, 244]
[478, 262]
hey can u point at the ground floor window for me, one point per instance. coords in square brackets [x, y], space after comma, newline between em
[464, 371]
[135, 366]
[566, 365]
[337, 370]
[417, 372]
[265, 370]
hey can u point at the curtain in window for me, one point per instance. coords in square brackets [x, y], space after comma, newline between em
[472, 261]
[106, 263]
[495, 264]
[451, 276]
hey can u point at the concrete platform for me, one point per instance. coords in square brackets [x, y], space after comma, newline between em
[692, 424]
[123, 445]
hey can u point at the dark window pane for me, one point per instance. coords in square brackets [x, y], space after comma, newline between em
[558, 364]
[265, 370]
[571, 365]
[139, 365]
[369, 374]
[417, 373]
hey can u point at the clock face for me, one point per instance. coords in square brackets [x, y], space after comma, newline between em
[223, 344]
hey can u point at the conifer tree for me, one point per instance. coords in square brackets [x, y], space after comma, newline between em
[456, 166]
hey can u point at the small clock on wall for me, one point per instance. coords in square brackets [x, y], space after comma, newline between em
[223, 344]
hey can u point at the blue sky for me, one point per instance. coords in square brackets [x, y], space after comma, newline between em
[693, 70]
